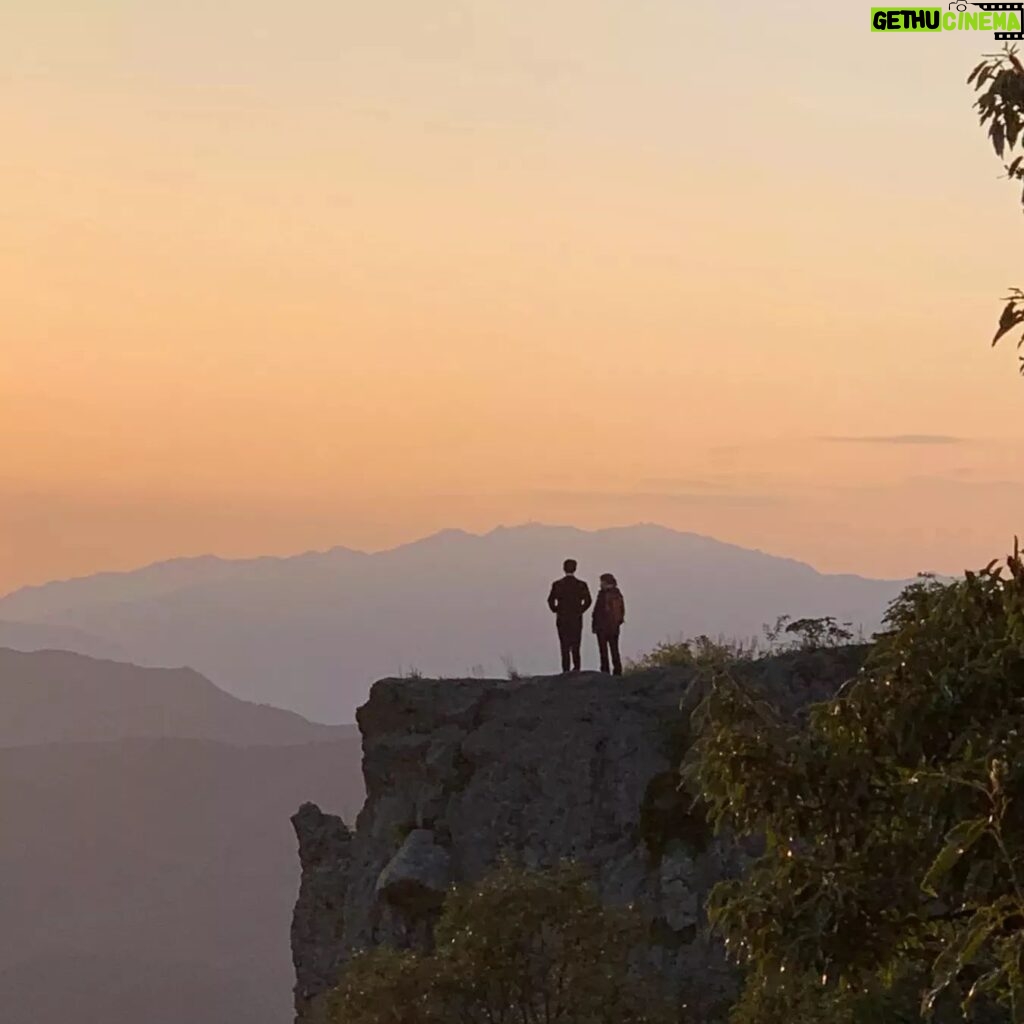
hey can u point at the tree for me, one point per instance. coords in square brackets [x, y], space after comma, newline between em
[890, 885]
[522, 947]
[999, 79]
[384, 986]
[815, 634]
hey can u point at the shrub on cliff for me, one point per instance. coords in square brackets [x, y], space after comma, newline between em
[890, 887]
[383, 987]
[520, 946]
[697, 652]
[787, 634]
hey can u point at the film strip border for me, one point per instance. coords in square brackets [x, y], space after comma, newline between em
[1018, 7]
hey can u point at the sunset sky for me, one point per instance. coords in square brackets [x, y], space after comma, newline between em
[278, 276]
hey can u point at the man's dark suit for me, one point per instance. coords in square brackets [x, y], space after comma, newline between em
[569, 599]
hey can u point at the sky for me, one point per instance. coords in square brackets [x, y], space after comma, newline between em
[281, 276]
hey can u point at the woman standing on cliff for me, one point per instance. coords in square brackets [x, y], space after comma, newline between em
[609, 615]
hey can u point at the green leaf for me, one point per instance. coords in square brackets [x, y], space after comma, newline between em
[982, 925]
[1010, 318]
[998, 136]
[958, 841]
[986, 983]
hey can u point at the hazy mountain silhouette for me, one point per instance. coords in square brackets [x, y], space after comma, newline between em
[55, 696]
[151, 876]
[42, 636]
[312, 632]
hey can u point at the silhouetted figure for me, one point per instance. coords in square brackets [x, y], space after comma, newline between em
[609, 615]
[569, 599]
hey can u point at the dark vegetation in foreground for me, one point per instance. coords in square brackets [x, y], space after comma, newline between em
[520, 946]
[889, 888]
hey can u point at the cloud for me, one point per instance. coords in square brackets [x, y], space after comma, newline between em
[896, 439]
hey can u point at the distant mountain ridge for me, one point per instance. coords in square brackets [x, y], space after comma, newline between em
[147, 860]
[153, 580]
[311, 632]
[58, 696]
[45, 636]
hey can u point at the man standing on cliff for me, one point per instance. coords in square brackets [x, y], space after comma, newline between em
[569, 599]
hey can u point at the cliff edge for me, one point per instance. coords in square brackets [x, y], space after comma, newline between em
[461, 772]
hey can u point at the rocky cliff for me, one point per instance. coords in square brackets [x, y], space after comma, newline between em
[461, 772]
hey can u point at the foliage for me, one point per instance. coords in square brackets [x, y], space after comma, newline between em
[892, 817]
[708, 653]
[384, 986]
[520, 946]
[511, 668]
[816, 634]
[667, 654]
[999, 80]
[807, 634]
[786, 634]
[698, 652]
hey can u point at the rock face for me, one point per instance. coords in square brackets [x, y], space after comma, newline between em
[461, 772]
[318, 924]
[417, 877]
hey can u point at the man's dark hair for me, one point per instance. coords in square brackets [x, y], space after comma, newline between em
[569, 565]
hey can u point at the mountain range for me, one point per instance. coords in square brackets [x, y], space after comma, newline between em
[312, 632]
[148, 863]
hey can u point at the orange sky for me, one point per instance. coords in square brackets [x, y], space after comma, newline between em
[276, 276]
